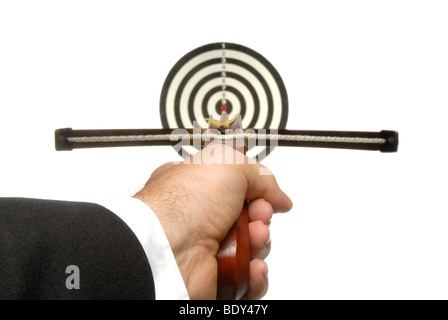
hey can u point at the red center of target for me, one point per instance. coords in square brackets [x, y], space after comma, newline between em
[223, 107]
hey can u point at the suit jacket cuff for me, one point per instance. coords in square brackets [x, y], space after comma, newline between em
[168, 281]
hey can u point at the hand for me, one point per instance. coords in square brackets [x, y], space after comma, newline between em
[197, 202]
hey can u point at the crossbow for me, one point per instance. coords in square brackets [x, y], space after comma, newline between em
[226, 93]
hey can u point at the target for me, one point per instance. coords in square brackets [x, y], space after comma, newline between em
[224, 77]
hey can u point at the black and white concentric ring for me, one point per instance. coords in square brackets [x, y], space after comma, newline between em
[226, 74]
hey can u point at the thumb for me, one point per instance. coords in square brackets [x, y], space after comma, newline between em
[261, 183]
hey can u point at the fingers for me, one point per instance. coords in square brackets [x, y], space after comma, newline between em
[260, 214]
[260, 241]
[258, 281]
[260, 209]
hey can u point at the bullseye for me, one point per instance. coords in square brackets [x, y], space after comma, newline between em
[222, 77]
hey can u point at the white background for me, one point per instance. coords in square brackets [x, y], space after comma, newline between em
[365, 225]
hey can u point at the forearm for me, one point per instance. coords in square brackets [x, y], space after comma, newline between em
[39, 239]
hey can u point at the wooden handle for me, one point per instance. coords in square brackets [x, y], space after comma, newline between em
[233, 260]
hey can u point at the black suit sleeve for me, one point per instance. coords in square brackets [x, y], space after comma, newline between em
[39, 239]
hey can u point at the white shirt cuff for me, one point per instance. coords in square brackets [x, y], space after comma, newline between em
[168, 281]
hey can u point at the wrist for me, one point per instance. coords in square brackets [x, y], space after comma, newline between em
[190, 250]
[141, 219]
[168, 215]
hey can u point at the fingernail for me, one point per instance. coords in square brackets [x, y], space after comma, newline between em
[268, 243]
[266, 276]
